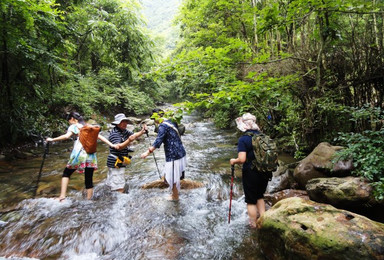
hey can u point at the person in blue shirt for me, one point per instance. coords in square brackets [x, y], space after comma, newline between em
[254, 183]
[175, 155]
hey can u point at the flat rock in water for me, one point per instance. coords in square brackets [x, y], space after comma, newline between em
[184, 184]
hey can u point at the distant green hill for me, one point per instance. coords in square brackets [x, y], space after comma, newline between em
[159, 15]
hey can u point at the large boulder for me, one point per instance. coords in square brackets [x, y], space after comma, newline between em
[339, 192]
[272, 198]
[318, 164]
[350, 193]
[282, 180]
[302, 229]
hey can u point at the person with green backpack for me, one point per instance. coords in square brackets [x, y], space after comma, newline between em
[258, 155]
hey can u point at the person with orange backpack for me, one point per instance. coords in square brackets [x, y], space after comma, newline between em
[257, 153]
[81, 159]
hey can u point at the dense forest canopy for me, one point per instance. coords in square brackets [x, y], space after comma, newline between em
[301, 66]
[58, 56]
[311, 71]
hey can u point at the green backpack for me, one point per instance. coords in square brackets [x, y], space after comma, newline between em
[265, 151]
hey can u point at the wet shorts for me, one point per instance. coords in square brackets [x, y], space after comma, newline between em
[254, 185]
[116, 178]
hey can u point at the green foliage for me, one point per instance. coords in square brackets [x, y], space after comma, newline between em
[30, 36]
[134, 101]
[84, 55]
[234, 56]
[366, 150]
[260, 97]
[175, 115]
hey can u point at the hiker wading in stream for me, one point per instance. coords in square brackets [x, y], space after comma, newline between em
[175, 155]
[118, 157]
[254, 183]
[79, 159]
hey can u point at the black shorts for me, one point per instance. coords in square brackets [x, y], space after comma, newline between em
[254, 185]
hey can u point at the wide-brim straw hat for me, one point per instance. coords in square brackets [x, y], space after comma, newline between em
[247, 122]
[120, 117]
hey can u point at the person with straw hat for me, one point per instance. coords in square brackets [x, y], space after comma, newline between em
[254, 183]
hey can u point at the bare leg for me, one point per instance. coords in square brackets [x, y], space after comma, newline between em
[252, 214]
[64, 186]
[89, 193]
[175, 193]
[260, 206]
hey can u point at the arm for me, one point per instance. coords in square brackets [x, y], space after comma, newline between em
[60, 138]
[241, 158]
[105, 140]
[157, 143]
[150, 150]
[132, 137]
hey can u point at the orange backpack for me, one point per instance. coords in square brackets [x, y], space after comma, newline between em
[88, 137]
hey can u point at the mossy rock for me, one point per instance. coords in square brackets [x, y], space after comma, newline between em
[295, 228]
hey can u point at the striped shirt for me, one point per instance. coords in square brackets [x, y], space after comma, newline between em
[117, 136]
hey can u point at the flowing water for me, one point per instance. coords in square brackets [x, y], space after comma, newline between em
[140, 224]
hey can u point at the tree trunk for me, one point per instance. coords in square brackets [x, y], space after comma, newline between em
[5, 87]
[377, 42]
[255, 26]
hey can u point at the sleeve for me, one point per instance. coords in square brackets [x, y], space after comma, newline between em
[160, 136]
[241, 147]
[74, 129]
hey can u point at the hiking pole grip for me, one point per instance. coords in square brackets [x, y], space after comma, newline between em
[230, 196]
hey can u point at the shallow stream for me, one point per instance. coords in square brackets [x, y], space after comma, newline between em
[140, 224]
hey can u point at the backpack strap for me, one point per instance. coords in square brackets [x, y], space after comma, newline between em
[251, 134]
[173, 127]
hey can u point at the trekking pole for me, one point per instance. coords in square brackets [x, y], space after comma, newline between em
[41, 167]
[230, 196]
[146, 132]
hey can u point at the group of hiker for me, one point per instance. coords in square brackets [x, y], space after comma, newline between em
[119, 140]
[254, 183]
